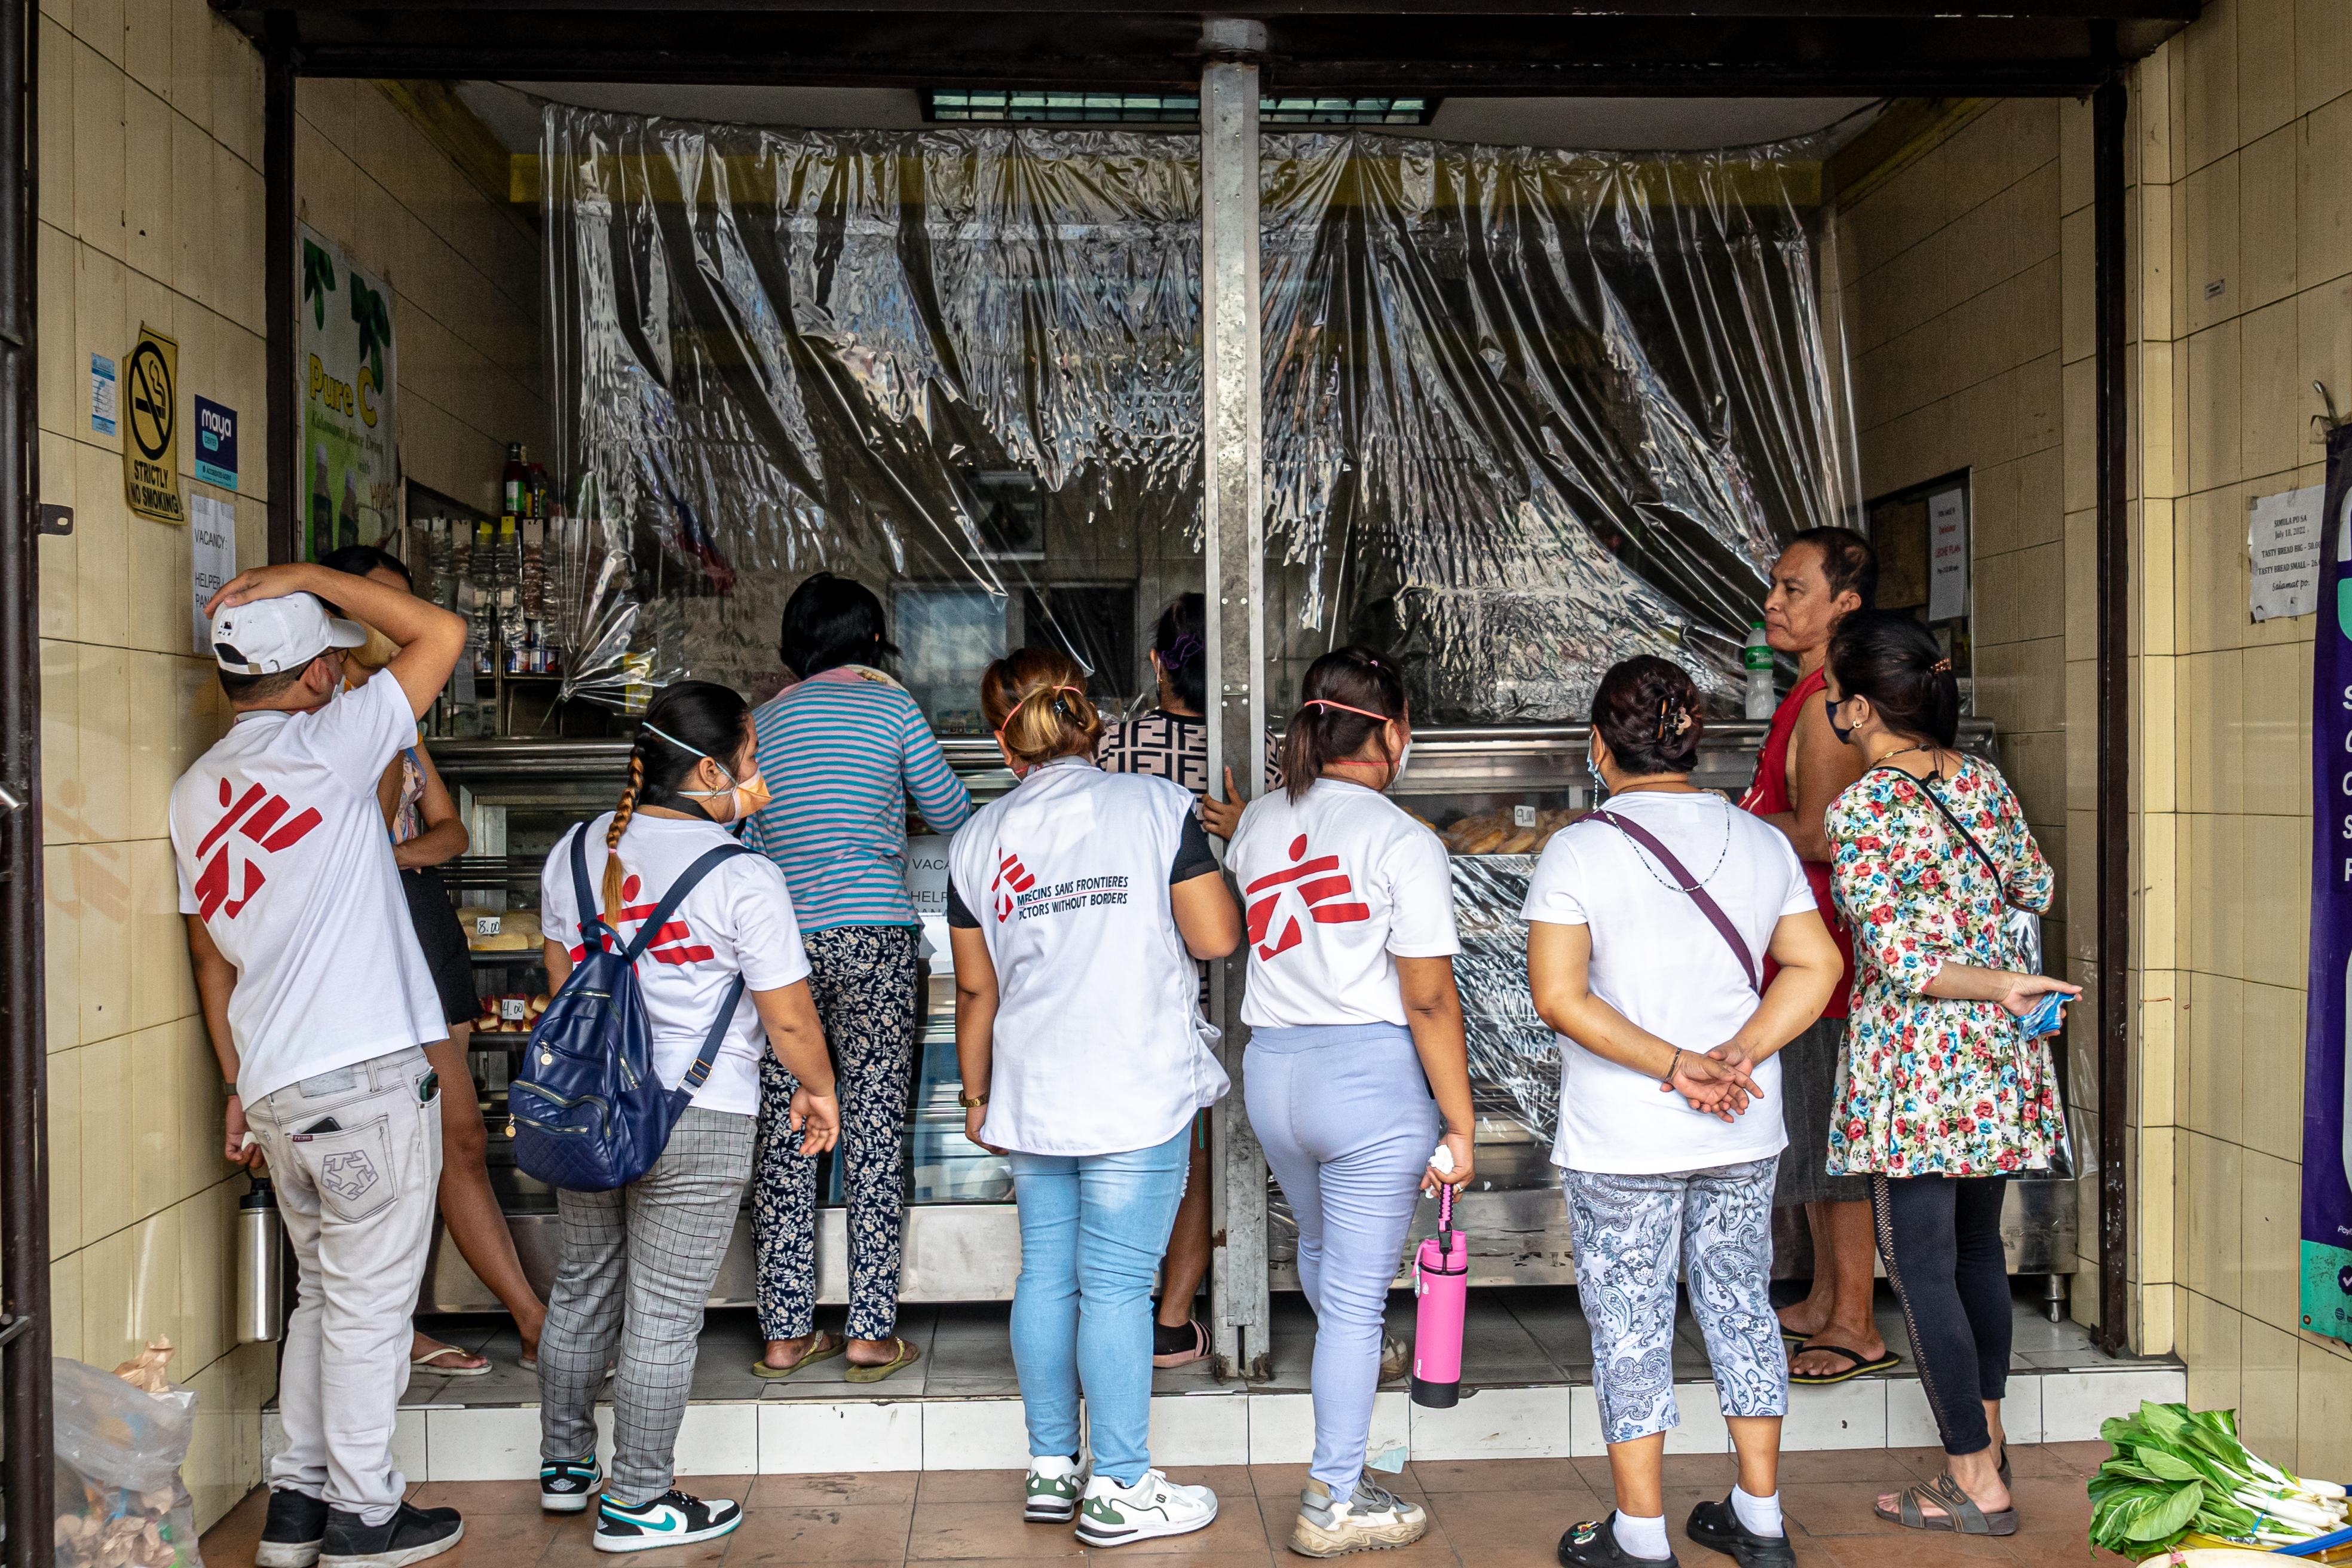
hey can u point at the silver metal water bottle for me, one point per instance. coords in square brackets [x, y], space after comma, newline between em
[260, 1265]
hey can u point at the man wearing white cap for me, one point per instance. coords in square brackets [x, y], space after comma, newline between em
[319, 1003]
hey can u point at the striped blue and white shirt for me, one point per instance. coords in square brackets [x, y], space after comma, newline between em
[841, 752]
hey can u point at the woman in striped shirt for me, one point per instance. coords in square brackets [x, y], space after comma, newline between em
[842, 750]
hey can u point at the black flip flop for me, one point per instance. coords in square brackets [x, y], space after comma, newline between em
[1859, 1368]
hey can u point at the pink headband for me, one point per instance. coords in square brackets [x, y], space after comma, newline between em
[1343, 707]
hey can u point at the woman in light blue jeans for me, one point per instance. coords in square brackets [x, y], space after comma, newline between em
[1075, 907]
[1356, 1048]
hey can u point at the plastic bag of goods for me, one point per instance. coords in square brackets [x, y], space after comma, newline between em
[121, 1437]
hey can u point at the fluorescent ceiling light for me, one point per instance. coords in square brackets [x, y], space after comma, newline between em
[1001, 106]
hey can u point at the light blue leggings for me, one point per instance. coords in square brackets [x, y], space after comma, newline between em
[1092, 1231]
[1345, 1115]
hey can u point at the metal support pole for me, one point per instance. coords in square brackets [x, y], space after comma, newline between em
[1234, 544]
[2115, 973]
[285, 490]
[28, 1473]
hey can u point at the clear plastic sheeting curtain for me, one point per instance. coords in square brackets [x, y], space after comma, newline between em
[961, 367]
[1525, 412]
[1528, 413]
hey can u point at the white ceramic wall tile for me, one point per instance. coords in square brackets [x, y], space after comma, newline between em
[273, 1438]
[1495, 1424]
[806, 1436]
[1201, 1429]
[719, 1439]
[1584, 1422]
[489, 1443]
[2021, 1408]
[1282, 1426]
[975, 1435]
[1282, 1429]
[411, 1456]
[2074, 1403]
[1910, 1424]
[1702, 1430]
[1842, 1416]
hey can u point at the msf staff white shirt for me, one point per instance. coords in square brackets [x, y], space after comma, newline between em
[1099, 1045]
[737, 920]
[1337, 888]
[281, 848]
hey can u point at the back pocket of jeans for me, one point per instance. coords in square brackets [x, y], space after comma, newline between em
[351, 1168]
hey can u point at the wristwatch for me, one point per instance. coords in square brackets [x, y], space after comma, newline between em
[970, 1104]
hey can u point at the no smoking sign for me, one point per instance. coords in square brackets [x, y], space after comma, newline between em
[150, 429]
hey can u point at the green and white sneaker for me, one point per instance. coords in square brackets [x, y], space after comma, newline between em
[1055, 1483]
[1373, 1519]
[673, 1519]
[1113, 1515]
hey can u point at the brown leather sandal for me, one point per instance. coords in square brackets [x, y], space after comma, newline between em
[1962, 1516]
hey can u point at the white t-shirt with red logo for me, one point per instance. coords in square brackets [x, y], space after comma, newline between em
[281, 848]
[1337, 888]
[737, 920]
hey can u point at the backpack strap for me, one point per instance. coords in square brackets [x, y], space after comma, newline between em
[703, 866]
[707, 1056]
[1688, 884]
[584, 893]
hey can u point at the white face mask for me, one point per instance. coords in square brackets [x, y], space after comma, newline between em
[1403, 757]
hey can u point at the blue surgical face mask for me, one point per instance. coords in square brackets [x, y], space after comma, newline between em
[1845, 733]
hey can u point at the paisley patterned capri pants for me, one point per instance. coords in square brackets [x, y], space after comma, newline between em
[1630, 1234]
[863, 981]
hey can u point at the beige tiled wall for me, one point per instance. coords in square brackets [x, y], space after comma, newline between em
[150, 211]
[2242, 222]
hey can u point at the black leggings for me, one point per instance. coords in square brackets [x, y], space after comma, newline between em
[1940, 1237]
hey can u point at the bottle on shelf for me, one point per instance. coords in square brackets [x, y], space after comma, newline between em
[538, 491]
[1758, 657]
[516, 488]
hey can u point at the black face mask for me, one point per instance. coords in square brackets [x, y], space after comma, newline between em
[1845, 733]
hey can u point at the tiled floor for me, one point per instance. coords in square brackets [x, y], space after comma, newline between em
[1491, 1513]
[1521, 1337]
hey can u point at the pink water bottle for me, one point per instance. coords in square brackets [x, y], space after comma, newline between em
[1441, 1287]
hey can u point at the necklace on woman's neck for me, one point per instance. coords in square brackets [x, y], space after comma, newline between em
[1935, 755]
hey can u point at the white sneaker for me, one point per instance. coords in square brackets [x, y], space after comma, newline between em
[1114, 1515]
[1372, 1520]
[1055, 1484]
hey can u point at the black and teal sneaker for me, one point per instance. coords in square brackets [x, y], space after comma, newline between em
[673, 1519]
[564, 1485]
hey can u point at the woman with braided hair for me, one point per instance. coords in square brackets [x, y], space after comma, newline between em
[638, 1264]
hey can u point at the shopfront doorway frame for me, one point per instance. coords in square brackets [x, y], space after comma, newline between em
[1664, 48]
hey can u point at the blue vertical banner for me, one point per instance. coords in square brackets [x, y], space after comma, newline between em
[2327, 1037]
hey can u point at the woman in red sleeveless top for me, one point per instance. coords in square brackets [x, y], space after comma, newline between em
[1824, 574]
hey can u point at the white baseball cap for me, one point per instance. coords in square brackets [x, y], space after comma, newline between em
[267, 636]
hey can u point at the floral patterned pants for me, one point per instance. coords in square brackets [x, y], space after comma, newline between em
[1631, 1235]
[863, 981]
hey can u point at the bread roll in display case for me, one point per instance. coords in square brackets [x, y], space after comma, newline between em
[1495, 795]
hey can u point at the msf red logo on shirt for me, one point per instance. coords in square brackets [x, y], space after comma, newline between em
[256, 814]
[1317, 884]
[674, 943]
[1011, 878]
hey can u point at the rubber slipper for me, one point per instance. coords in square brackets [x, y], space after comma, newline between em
[429, 1362]
[1860, 1366]
[1197, 1350]
[901, 1356]
[827, 1346]
[1791, 1336]
[1962, 1516]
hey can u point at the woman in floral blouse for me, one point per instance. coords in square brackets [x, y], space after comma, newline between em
[1940, 1096]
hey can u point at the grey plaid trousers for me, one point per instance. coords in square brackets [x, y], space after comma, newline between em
[638, 1267]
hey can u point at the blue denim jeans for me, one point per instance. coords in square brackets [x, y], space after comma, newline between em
[1093, 1228]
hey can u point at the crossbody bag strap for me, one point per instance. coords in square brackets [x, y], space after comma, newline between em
[707, 1056]
[1999, 882]
[1698, 895]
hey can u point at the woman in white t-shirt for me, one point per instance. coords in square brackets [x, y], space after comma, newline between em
[1355, 1049]
[1649, 923]
[1076, 904]
[638, 1264]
